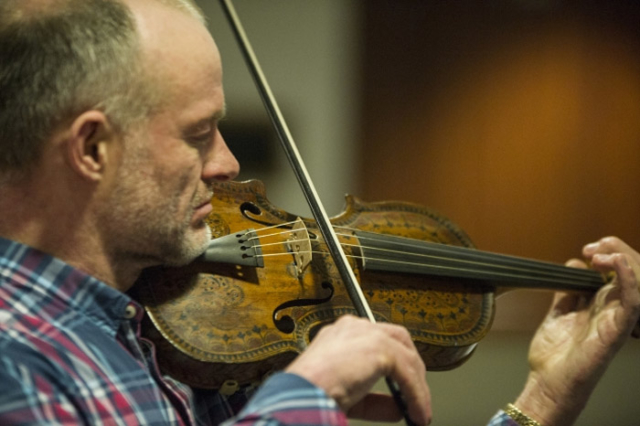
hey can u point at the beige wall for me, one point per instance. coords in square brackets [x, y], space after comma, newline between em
[471, 394]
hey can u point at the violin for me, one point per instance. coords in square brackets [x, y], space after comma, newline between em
[266, 284]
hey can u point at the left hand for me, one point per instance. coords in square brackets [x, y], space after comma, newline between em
[580, 335]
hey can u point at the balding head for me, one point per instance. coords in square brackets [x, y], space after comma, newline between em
[59, 58]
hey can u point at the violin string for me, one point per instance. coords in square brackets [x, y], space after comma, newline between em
[372, 248]
[477, 272]
[280, 242]
[523, 264]
[467, 266]
[453, 251]
[266, 228]
[552, 271]
[463, 267]
[524, 269]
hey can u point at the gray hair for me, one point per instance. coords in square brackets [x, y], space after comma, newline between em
[62, 59]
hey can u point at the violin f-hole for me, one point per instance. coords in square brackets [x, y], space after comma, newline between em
[286, 324]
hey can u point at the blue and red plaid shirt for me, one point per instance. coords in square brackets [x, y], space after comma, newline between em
[71, 353]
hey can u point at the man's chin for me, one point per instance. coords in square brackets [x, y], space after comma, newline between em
[191, 248]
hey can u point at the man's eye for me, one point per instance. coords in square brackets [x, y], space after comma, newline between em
[200, 139]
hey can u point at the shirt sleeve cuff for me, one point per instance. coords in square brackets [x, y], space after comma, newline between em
[287, 398]
[502, 419]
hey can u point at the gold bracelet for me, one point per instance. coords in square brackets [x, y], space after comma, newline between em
[519, 417]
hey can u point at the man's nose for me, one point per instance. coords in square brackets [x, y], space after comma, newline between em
[220, 163]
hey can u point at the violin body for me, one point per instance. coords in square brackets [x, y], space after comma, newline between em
[217, 322]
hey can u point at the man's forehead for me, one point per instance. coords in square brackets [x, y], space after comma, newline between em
[177, 39]
[181, 56]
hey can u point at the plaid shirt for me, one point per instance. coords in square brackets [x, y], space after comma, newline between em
[71, 353]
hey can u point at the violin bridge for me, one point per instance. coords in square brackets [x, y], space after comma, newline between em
[299, 244]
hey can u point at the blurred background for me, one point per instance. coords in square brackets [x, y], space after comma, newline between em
[519, 120]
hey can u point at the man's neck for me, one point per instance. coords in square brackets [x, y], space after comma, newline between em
[51, 219]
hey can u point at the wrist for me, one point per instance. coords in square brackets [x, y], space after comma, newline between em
[546, 407]
[519, 417]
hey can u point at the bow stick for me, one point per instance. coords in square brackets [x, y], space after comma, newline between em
[335, 249]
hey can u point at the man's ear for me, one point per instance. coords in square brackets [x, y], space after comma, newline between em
[91, 144]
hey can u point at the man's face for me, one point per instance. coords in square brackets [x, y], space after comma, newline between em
[163, 189]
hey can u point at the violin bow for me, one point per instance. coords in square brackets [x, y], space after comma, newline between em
[322, 219]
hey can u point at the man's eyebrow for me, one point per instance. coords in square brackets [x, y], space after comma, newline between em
[217, 116]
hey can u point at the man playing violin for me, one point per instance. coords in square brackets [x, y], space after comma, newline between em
[109, 142]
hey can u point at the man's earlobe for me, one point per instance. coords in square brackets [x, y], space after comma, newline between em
[91, 135]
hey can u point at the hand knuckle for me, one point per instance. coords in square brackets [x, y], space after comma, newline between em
[610, 242]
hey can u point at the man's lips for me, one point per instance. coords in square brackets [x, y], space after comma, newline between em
[203, 209]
